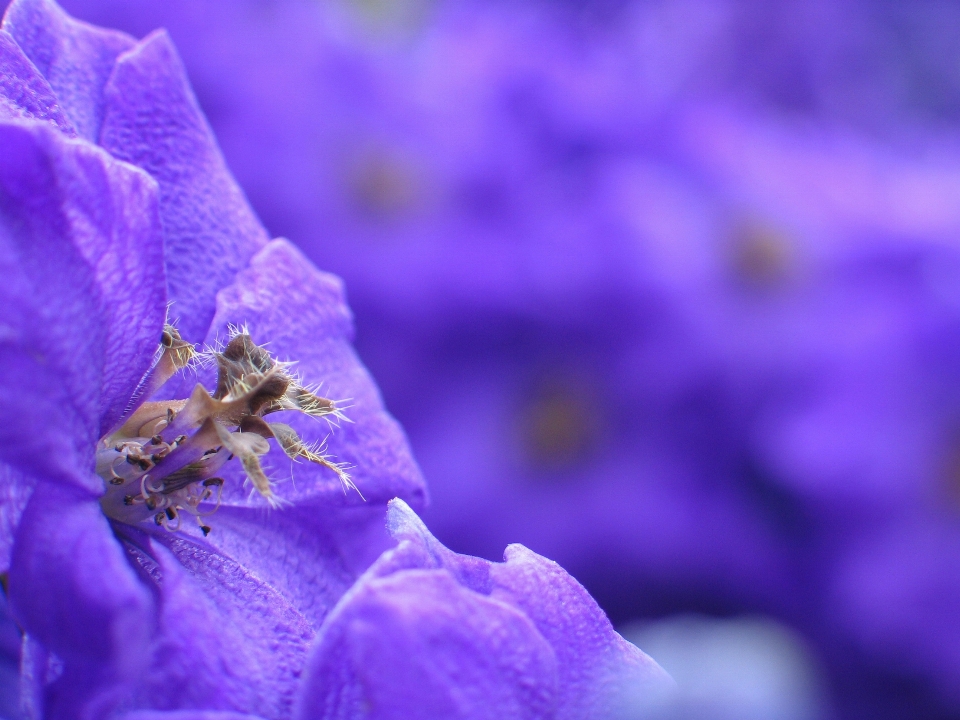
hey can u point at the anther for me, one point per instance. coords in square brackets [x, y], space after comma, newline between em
[212, 481]
[152, 502]
[156, 440]
[205, 529]
[172, 516]
[116, 480]
[159, 519]
[128, 499]
[161, 453]
[140, 461]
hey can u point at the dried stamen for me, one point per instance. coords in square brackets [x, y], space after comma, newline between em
[295, 448]
[162, 460]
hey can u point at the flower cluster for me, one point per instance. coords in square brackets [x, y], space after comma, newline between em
[155, 344]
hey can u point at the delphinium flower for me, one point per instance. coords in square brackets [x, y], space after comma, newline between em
[596, 439]
[429, 200]
[692, 363]
[194, 485]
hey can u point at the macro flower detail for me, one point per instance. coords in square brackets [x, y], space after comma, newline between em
[117, 213]
[95, 251]
[669, 296]
[163, 459]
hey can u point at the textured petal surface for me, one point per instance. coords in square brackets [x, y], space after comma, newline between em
[599, 671]
[426, 632]
[152, 120]
[16, 487]
[75, 58]
[122, 241]
[72, 589]
[24, 93]
[237, 611]
[82, 299]
[225, 639]
[300, 313]
[52, 339]
[416, 643]
[311, 555]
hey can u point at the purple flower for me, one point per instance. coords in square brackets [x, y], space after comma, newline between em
[117, 212]
[704, 358]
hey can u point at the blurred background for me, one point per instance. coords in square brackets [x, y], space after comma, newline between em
[666, 290]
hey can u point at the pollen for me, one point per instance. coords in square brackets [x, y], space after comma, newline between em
[165, 458]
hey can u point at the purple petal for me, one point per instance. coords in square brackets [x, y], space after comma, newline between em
[416, 643]
[82, 296]
[152, 120]
[74, 57]
[420, 549]
[427, 630]
[226, 640]
[599, 670]
[15, 490]
[72, 589]
[24, 93]
[300, 313]
[127, 255]
[312, 556]
[51, 374]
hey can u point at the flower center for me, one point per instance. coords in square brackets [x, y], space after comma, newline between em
[561, 424]
[762, 255]
[164, 459]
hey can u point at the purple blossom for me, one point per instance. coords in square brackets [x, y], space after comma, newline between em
[650, 291]
[117, 214]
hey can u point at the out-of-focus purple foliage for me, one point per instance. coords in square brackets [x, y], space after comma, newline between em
[664, 290]
[117, 209]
